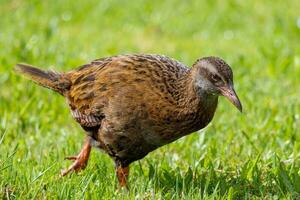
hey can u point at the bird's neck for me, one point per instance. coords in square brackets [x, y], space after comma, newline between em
[196, 108]
[194, 97]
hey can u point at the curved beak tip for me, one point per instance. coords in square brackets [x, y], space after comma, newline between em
[233, 98]
[236, 102]
[239, 107]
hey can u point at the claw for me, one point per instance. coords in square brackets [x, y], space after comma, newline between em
[80, 161]
[78, 165]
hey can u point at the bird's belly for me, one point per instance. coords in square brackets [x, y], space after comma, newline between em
[133, 143]
[125, 147]
[131, 128]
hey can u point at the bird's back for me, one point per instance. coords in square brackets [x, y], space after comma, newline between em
[157, 69]
[95, 84]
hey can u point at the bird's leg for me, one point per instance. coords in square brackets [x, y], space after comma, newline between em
[122, 175]
[81, 160]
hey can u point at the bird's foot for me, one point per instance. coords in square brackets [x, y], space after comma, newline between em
[80, 161]
[122, 175]
[79, 164]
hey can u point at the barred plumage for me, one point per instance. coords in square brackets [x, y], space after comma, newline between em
[130, 105]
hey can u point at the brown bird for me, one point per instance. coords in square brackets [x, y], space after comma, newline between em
[129, 105]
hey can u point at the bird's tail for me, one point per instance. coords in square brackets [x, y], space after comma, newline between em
[49, 79]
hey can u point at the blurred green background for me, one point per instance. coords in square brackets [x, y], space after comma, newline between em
[250, 156]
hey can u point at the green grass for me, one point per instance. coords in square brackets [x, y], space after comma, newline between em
[254, 155]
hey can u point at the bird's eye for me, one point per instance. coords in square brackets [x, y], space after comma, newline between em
[215, 78]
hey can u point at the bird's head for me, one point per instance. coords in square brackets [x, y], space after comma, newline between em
[214, 76]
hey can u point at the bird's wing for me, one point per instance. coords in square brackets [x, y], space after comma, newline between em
[83, 92]
[94, 83]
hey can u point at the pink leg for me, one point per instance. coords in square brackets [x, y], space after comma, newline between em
[80, 161]
[122, 175]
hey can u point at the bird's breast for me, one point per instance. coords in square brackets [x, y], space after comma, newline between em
[172, 124]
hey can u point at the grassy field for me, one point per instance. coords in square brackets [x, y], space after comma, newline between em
[254, 155]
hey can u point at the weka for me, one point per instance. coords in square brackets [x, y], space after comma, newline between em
[129, 105]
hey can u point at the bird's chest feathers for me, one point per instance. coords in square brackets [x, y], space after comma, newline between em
[201, 117]
[191, 118]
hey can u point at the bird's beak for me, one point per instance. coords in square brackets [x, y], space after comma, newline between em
[231, 95]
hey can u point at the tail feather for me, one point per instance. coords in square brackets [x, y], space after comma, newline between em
[49, 79]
